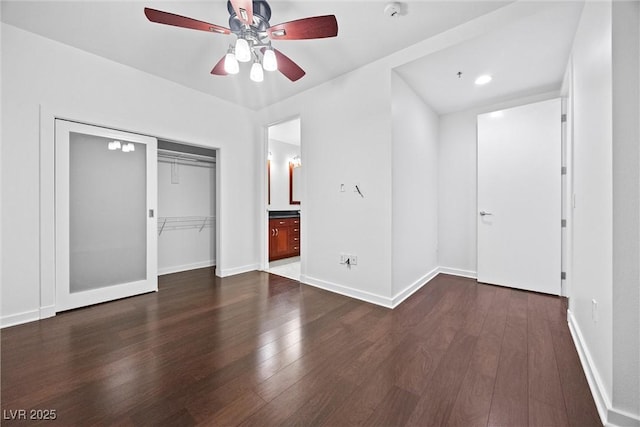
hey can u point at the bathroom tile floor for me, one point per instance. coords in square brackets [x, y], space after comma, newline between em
[288, 267]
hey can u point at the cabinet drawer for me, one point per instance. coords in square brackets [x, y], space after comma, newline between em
[285, 222]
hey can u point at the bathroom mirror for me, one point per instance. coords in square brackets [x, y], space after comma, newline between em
[294, 184]
[283, 150]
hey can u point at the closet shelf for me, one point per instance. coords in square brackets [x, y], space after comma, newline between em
[184, 223]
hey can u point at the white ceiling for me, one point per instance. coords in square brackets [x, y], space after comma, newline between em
[288, 131]
[526, 56]
[118, 30]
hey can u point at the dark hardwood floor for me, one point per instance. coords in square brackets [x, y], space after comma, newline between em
[261, 350]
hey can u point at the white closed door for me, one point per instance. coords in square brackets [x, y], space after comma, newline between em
[106, 230]
[519, 197]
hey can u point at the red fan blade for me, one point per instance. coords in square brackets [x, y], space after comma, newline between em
[218, 70]
[244, 10]
[286, 66]
[317, 27]
[161, 17]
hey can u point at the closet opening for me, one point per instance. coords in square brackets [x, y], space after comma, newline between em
[186, 207]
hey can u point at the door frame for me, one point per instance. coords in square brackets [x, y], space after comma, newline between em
[264, 185]
[217, 195]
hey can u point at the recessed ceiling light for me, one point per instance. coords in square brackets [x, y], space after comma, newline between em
[483, 80]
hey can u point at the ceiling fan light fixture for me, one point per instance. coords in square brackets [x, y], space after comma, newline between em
[256, 74]
[231, 65]
[249, 22]
[269, 60]
[243, 51]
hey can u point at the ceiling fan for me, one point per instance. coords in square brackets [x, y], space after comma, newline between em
[249, 21]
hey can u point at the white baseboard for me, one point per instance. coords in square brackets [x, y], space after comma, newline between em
[457, 272]
[346, 291]
[237, 270]
[618, 418]
[185, 267]
[368, 296]
[19, 318]
[593, 377]
[48, 311]
[414, 287]
[609, 416]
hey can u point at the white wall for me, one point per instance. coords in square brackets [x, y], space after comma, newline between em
[457, 201]
[181, 248]
[40, 76]
[346, 129]
[415, 189]
[592, 184]
[603, 81]
[626, 206]
[281, 154]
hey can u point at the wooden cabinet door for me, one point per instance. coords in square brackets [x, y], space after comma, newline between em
[279, 239]
[282, 241]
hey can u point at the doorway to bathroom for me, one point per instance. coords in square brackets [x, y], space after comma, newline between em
[284, 199]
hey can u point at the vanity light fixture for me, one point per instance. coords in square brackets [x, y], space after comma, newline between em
[127, 147]
[483, 80]
[296, 162]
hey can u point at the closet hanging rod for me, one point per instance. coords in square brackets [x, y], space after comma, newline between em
[175, 155]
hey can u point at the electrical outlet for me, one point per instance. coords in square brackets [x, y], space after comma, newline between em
[342, 188]
[343, 258]
[594, 310]
[353, 260]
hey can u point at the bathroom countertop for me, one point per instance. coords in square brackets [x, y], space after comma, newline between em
[284, 214]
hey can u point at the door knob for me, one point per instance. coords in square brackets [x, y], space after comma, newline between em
[483, 213]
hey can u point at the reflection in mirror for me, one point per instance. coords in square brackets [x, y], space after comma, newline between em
[283, 184]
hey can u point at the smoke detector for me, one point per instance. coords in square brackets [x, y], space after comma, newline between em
[392, 10]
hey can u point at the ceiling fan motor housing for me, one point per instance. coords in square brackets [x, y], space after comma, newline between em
[261, 16]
